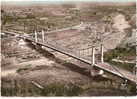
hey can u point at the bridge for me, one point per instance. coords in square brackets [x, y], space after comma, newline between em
[40, 39]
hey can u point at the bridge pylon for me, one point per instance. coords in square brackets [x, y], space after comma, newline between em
[93, 56]
[102, 53]
[43, 36]
[36, 37]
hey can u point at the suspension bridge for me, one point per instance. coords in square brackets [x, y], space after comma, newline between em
[40, 39]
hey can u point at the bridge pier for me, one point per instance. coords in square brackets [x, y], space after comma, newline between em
[22, 42]
[123, 85]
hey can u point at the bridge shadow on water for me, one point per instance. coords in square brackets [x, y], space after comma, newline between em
[71, 66]
[74, 67]
[41, 51]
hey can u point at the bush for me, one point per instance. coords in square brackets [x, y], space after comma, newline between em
[22, 88]
[122, 53]
[57, 89]
[21, 69]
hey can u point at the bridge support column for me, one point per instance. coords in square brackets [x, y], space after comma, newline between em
[93, 55]
[43, 36]
[36, 37]
[124, 85]
[102, 54]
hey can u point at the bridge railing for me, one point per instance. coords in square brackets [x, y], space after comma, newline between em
[76, 52]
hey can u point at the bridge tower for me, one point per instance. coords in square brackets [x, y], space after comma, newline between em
[36, 37]
[43, 36]
[102, 53]
[93, 55]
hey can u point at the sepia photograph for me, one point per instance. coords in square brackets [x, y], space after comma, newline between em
[68, 48]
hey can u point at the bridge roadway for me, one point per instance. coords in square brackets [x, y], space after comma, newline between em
[125, 75]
